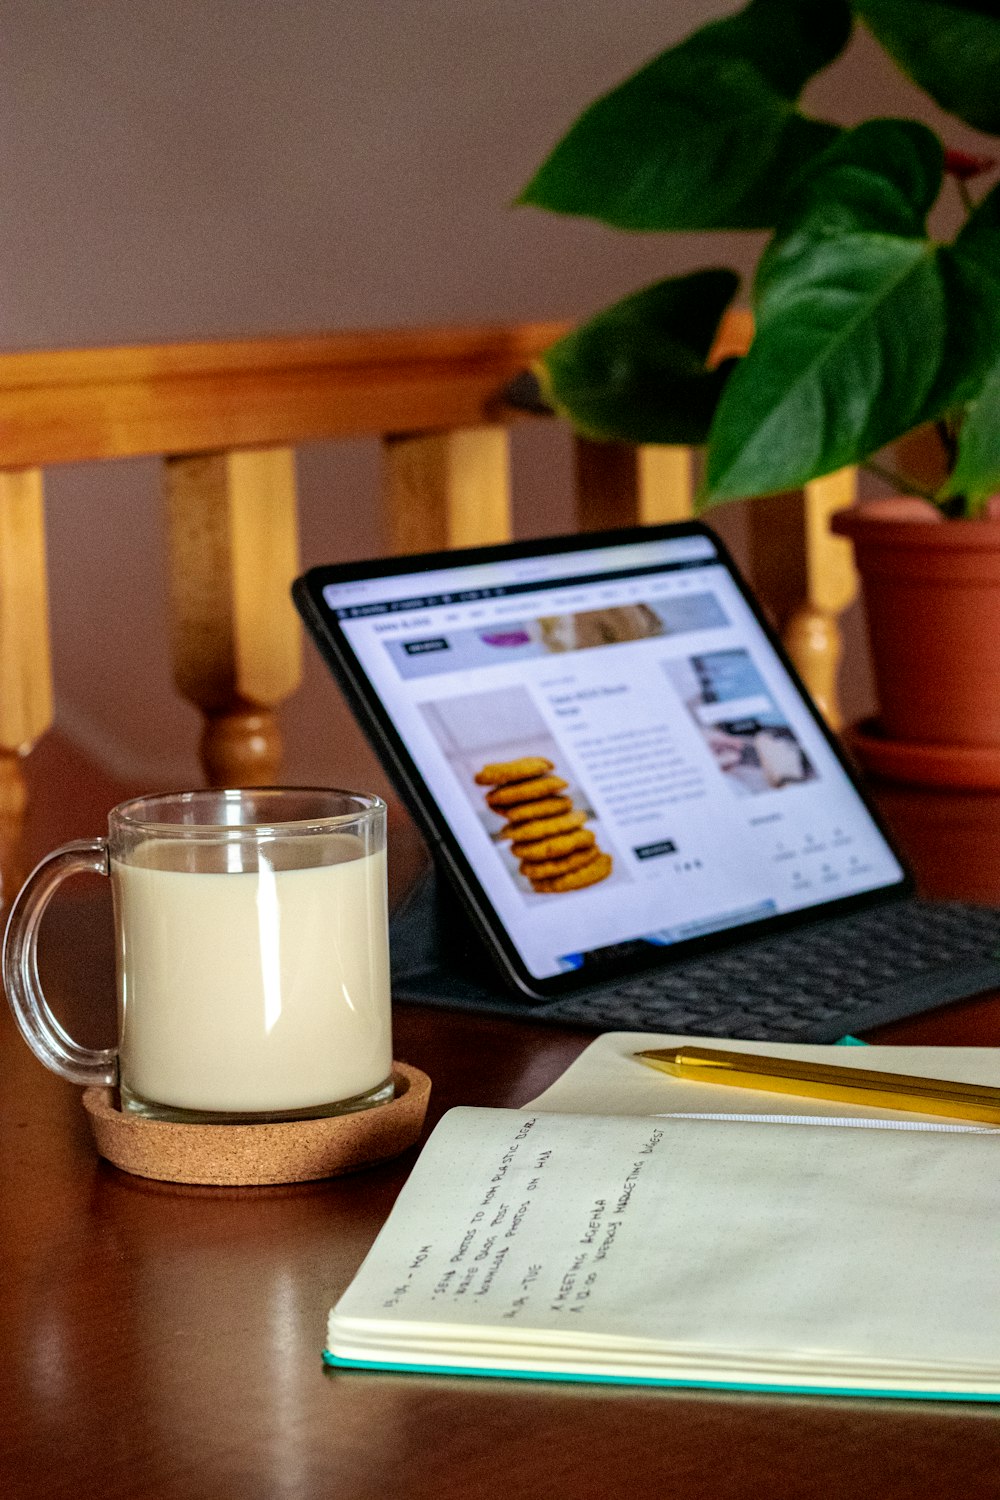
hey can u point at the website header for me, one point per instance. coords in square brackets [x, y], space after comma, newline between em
[470, 596]
[515, 575]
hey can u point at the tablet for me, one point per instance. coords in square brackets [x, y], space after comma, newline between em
[605, 746]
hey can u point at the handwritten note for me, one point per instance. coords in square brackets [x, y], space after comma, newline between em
[697, 1234]
[494, 1241]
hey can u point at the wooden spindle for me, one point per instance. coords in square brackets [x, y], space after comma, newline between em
[25, 660]
[621, 485]
[447, 489]
[806, 576]
[233, 553]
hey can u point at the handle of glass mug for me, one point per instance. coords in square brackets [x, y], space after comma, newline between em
[46, 1037]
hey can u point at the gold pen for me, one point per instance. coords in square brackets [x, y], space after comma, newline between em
[784, 1075]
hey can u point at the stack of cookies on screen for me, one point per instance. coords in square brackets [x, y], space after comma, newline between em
[556, 852]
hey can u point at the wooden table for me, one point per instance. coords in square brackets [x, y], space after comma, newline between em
[165, 1342]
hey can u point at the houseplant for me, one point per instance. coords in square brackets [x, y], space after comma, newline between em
[866, 327]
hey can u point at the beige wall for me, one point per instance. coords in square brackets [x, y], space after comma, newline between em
[188, 168]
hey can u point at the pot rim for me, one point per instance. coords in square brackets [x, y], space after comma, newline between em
[954, 535]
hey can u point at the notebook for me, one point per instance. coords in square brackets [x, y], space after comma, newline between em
[687, 1251]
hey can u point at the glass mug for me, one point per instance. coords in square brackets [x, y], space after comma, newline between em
[252, 960]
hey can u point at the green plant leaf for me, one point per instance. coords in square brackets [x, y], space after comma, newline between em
[978, 241]
[977, 471]
[883, 175]
[971, 270]
[972, 365]
[951, 48]
[637, 370]
[707, 135]
[850, 318]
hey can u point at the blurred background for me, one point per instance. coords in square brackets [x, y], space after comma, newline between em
[190, 170]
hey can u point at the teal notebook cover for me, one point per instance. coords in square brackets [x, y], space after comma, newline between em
[334, 1362]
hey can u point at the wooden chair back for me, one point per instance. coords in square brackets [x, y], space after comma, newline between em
[225, 417]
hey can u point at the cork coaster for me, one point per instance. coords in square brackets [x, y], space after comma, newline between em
[252, 1155]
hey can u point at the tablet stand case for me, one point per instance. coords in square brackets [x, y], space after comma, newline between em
[438, 958]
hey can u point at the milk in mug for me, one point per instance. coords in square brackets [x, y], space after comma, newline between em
[252, 990]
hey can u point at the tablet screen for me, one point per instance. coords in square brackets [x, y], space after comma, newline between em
[615, 745]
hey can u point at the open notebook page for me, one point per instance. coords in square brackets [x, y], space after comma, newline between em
[689, 1249]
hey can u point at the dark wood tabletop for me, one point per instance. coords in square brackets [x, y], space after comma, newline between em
[165, 1341]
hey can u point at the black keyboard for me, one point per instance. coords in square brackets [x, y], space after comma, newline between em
[813, 985]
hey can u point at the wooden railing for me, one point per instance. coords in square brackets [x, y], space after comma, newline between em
[225, 418]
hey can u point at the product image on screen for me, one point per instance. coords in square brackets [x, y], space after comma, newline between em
[543, 827]
[742, 726]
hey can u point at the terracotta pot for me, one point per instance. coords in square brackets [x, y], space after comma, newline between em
[932, 596]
